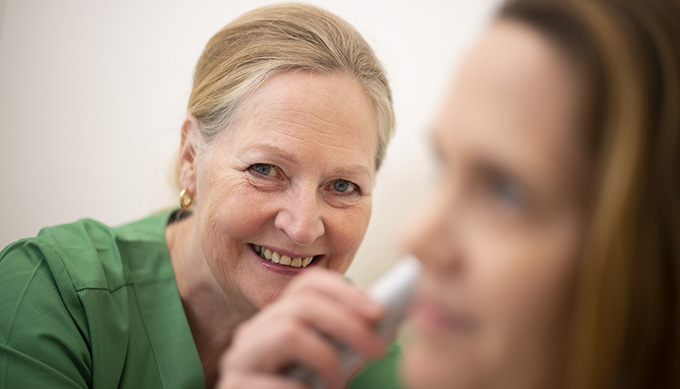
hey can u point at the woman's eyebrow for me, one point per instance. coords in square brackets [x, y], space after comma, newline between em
[352, 170]
[272, 149]
[349, 170]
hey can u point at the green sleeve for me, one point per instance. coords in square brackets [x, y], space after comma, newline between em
[381, 373]
[43, 328]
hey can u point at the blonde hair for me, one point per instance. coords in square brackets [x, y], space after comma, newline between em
[275, 39]
[627, 309]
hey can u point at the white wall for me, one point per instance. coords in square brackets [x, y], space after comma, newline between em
[93, 93]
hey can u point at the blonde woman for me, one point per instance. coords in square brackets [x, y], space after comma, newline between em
[288, 122]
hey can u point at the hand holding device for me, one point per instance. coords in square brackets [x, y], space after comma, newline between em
[393, 290]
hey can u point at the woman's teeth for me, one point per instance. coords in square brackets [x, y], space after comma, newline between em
[274, 257]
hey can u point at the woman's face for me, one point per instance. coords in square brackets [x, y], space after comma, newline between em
[500, 237]
[289, 181]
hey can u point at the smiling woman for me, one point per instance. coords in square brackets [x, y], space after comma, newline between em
[294, 141]
[287, 124]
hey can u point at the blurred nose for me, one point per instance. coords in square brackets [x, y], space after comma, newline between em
[300, 218]
[433, 233]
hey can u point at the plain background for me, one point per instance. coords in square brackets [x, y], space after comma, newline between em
[93, 94]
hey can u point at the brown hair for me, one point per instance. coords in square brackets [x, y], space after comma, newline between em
[627, 309]
[275, 39]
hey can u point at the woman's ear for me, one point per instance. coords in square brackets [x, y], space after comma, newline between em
[187, 155]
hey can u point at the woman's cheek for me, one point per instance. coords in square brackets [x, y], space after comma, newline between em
[345, 228]
[524, 284]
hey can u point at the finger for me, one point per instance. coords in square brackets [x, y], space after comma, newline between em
[286, 343]
[335, 321]
[240, 381]
[333, 285]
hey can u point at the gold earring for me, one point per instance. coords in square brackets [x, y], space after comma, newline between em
[185, 198]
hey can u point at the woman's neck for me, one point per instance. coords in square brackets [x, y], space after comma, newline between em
[213, 314]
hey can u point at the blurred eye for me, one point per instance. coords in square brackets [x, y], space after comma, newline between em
[507, 190]
[344, 186]
[262, 169]
[504, 189]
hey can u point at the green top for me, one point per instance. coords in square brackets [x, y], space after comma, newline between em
[86, 305]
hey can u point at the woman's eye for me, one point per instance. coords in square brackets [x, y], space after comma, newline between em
[263, 169]
[508, 191]
[344, 186]
[266, 177]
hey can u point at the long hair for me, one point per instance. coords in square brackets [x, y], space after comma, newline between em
[627, 304]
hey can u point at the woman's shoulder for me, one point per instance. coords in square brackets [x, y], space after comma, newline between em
[82, 289]
[89, 253]
[90, 232]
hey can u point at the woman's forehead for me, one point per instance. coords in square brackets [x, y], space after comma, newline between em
[514, 102]
[303, 113]
[514, 83]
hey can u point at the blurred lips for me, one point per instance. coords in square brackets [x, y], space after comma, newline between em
[433, 318]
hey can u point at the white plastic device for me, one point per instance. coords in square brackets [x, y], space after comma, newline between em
[393, 290]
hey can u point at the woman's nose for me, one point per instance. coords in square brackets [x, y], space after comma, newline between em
[433, 235]
[300, 218]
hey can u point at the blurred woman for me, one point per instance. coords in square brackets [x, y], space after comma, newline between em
[551, 245]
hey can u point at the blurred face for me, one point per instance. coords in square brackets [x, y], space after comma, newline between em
[288, 185]
[500, 237]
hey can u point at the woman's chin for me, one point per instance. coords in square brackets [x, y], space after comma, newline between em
[429, 366]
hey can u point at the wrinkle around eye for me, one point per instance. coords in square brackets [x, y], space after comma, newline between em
[343, 200]
[277, 171]
[273, 181]
[352, 187]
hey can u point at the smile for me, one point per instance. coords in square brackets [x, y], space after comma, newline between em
[281, 259]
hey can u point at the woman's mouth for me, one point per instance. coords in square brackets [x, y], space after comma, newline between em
[432, 318]
[281, 259]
